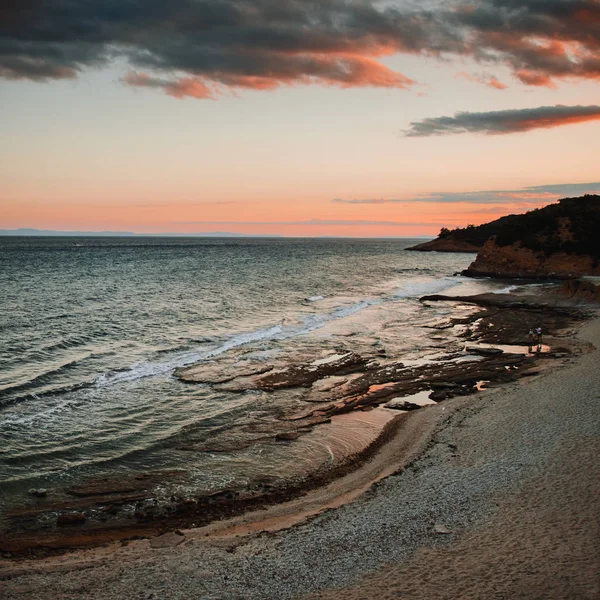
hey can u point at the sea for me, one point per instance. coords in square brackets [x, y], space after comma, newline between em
[92, 330]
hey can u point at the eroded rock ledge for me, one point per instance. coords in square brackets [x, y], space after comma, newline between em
[515, 261]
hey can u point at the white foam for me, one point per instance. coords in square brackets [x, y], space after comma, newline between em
[422, 288]
[140, 370]
[315, 298]
[282, 331]
[506, 290]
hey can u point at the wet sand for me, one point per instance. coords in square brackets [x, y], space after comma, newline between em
[510, 473]
[543, 538]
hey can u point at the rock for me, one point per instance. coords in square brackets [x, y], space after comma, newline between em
[40, 492]
[71, 519]
[402, 405]
[288, 436]
[442, 385]
[556, 241]
[484, 351]
[167, 540]
[328, 383]
[581, 289]
[305, 375]
[441, 529]
[438, 395]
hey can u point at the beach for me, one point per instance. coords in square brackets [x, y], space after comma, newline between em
[490, 495]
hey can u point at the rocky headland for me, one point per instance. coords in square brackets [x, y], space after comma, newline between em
[558, 241]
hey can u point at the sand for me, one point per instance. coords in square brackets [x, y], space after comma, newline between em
[512, 475]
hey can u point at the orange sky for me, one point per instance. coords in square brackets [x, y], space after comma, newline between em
[266, 145]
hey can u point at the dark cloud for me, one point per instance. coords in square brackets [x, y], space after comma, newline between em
[189, 45]
[533, 195]
[504, 121]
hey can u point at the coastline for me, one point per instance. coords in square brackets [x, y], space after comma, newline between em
[423, 434]
[499, 322]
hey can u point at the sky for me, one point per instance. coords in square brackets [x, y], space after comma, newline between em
[294, 117]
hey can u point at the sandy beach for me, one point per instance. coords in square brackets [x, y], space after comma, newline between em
[493, 495]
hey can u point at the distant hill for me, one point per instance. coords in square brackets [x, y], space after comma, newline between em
[559, 240]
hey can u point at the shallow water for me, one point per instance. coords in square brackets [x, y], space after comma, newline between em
[92, 330]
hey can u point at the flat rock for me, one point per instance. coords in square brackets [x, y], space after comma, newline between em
[305, 375]
[288, 436]
[71, 519]
[167, 540]
[442, 385]
[402, 405]
[481, 351]
[327, 384]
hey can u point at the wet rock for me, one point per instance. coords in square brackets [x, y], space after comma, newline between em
[438, 395]
[288, 436]
[219, 372]
[218, 497]
[39, 492]
[71, 519]
[304, 375]
[327, 384]
[442, 385]
[479, 350]
[402, 405]
[167, 540]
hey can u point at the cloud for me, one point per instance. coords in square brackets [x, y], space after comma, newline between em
[504, 121]
[199, 48]
[532, 195]
[187, 86]
[483, 78]
[317, 222]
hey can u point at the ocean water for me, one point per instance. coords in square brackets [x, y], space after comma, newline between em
[92, 329]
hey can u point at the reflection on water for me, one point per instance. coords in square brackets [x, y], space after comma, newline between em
[96, 328]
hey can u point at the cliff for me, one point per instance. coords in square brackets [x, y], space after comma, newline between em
[494, 260]
[558, 241]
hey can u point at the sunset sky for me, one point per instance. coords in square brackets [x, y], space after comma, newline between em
[294, 117]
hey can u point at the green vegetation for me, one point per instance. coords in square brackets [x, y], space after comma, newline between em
[572, 225]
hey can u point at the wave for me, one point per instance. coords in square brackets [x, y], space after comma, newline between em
[41, 379]
[281, 331]
[422, 288]
[414, 270]
[143, 369]
[506, 290]
[55, 391]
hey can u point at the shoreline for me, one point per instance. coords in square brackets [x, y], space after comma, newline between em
[398, 443]
[229, 544]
